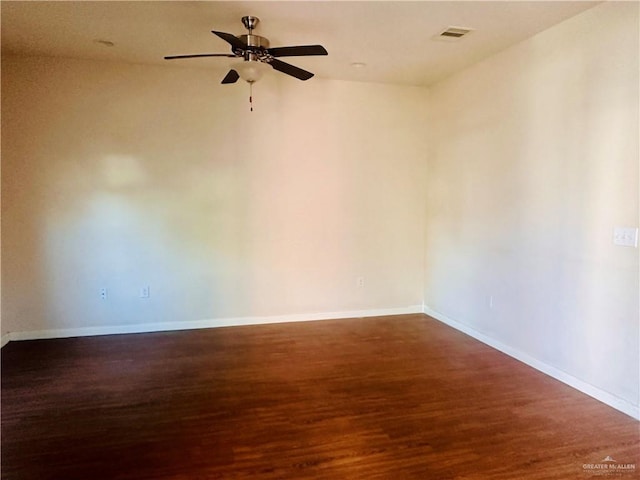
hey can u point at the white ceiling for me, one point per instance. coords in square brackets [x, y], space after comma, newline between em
[394, 39]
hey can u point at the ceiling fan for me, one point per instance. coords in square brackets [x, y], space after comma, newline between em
[257, 55]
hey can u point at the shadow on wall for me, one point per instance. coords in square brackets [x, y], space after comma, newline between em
[132, 229]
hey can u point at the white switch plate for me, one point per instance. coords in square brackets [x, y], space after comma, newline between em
[627, 237]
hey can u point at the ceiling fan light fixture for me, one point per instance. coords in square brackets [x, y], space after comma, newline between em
[251, 70]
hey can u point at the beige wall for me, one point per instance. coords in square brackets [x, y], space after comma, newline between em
[534, 160]
[122, 176]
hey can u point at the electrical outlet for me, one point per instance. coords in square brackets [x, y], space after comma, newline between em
[103, 293]
[145, 292]
[360, 282]
[626, 237]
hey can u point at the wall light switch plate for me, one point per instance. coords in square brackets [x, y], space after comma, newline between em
[626, 237]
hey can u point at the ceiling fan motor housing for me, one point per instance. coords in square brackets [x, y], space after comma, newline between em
[256, 47]
[255, 41]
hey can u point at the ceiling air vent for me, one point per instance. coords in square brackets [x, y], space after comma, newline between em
[452, 34]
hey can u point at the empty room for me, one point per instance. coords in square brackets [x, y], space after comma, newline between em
[320, 240]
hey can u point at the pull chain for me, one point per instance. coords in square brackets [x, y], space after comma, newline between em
[251, 96]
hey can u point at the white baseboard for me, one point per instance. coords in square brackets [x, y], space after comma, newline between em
[595, 392]
[605, 397]
[208, 323]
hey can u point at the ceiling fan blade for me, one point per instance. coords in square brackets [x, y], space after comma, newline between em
[234, 41]
[290, 69]
[231, 77]
[196, 55]
[297, 51]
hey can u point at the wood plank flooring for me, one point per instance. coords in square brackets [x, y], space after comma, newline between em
[402, 397]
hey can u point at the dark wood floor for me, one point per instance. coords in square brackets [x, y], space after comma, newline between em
[401, 397]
